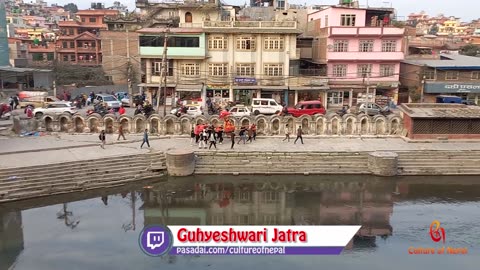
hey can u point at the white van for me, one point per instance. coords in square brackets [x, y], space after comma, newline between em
[265, 106]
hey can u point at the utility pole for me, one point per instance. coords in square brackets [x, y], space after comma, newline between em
[367, 99]
[129, 73]
[163, 74]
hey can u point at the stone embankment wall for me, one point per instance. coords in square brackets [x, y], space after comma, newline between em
[331, 124]
[306, 163]
[52, 179]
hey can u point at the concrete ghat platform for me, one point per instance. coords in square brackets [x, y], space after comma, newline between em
[64, 164]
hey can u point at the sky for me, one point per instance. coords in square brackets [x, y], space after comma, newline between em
[465, 9]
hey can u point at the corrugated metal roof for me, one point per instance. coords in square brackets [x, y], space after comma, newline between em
[449, 61]
[21, 70]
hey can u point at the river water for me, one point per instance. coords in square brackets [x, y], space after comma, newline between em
[100, 230]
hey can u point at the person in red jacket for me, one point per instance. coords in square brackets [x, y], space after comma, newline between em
[121, 111]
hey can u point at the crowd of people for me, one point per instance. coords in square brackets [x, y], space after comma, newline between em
[205, 134]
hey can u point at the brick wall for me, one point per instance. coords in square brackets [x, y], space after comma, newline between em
[115, 48]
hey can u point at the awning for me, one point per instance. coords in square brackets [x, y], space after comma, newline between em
[307, 88]
[274, 88]
[189, 87]
[154, 85]
[246, 87]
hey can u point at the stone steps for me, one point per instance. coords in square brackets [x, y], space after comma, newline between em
[52, 179]
[81, 164]
[439, 171]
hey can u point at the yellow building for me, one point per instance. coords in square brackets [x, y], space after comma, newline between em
[451, 27]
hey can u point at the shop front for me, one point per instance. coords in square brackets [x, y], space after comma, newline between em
[386, 94]
[189, 92]
[467, 90]
[309, 93]
[218, 95]
[278, 93]
[244, 90]
[151, 91]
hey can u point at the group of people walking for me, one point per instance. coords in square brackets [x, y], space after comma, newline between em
[204, 134]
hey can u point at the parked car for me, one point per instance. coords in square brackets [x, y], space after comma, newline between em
[371, 109]
[448, 99]
[265, 106]
[38, 101]
[194, 110]
[240, 110]
[137, 99]
[110, 101]
[58, 107]
[311, 107]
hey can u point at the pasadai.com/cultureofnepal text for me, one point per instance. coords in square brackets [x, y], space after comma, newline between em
[229, 250]
[442, 250]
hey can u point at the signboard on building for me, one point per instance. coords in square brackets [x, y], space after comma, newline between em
[250, 81]
[451, 88]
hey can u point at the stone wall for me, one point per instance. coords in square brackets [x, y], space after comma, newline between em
[331, 124]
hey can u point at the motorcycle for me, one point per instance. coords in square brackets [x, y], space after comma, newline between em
[5, 111]
[100, 110]
[147, 110]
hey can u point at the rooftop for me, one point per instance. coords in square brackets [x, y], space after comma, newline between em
[106, 12]
[439, 110]
[171, 30]
[449, 61]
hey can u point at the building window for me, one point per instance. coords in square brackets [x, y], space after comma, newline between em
[273, 70]
[270, 197]
[72, 45]
[245, 220]
[37, 56]
[347, 20]
[157, 68]
[366, 46]
[152, 41]
[389, 45]
[326, 20]
[244, 196]
[217, 43]
[335, 98]
[50, 56]
[190, 69]
[65, 58]
[339, 70]
[429, 74]
[273, 43]
[246, 43]
[451, 75]
[218, 70]
[364, 70]
[387, 70]
[188, 17]
[340, 46]
[83, 19]
[475, 75]
[217, 220]
[270, 220]
[92, 20]
[245, 69]
[65, 45]
[71, 31]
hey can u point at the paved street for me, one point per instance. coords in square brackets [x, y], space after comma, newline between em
[62, 147]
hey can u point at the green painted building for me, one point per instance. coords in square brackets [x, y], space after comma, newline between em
[4, 60]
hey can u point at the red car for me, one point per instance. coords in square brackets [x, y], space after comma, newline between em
[311, 107]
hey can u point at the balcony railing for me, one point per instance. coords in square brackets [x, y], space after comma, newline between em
[366, 31]
[243, 24]
[50, 47]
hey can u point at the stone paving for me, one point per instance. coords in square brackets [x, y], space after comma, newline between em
[30, 151]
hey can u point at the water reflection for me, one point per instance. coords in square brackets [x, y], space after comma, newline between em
[106, 223]
[11, 238]
[249, 202]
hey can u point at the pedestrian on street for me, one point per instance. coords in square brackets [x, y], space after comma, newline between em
[102, 138]
[287, 133]
[213, 140]
[11, 102]
[145, 139]
[16, 101]
[203, 139]
[254, 131]
[243, 136]
[250, 134]
[220, 134]
[192, 136]
[232, 137]
[29, 111]
[120, 132]
[299, 135]
[197, 132]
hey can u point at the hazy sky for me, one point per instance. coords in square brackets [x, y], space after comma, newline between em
[466, 9]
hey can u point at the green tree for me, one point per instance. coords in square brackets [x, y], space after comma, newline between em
[71, 7]
[470, 50]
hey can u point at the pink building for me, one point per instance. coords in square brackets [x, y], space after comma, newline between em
[362, 52]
